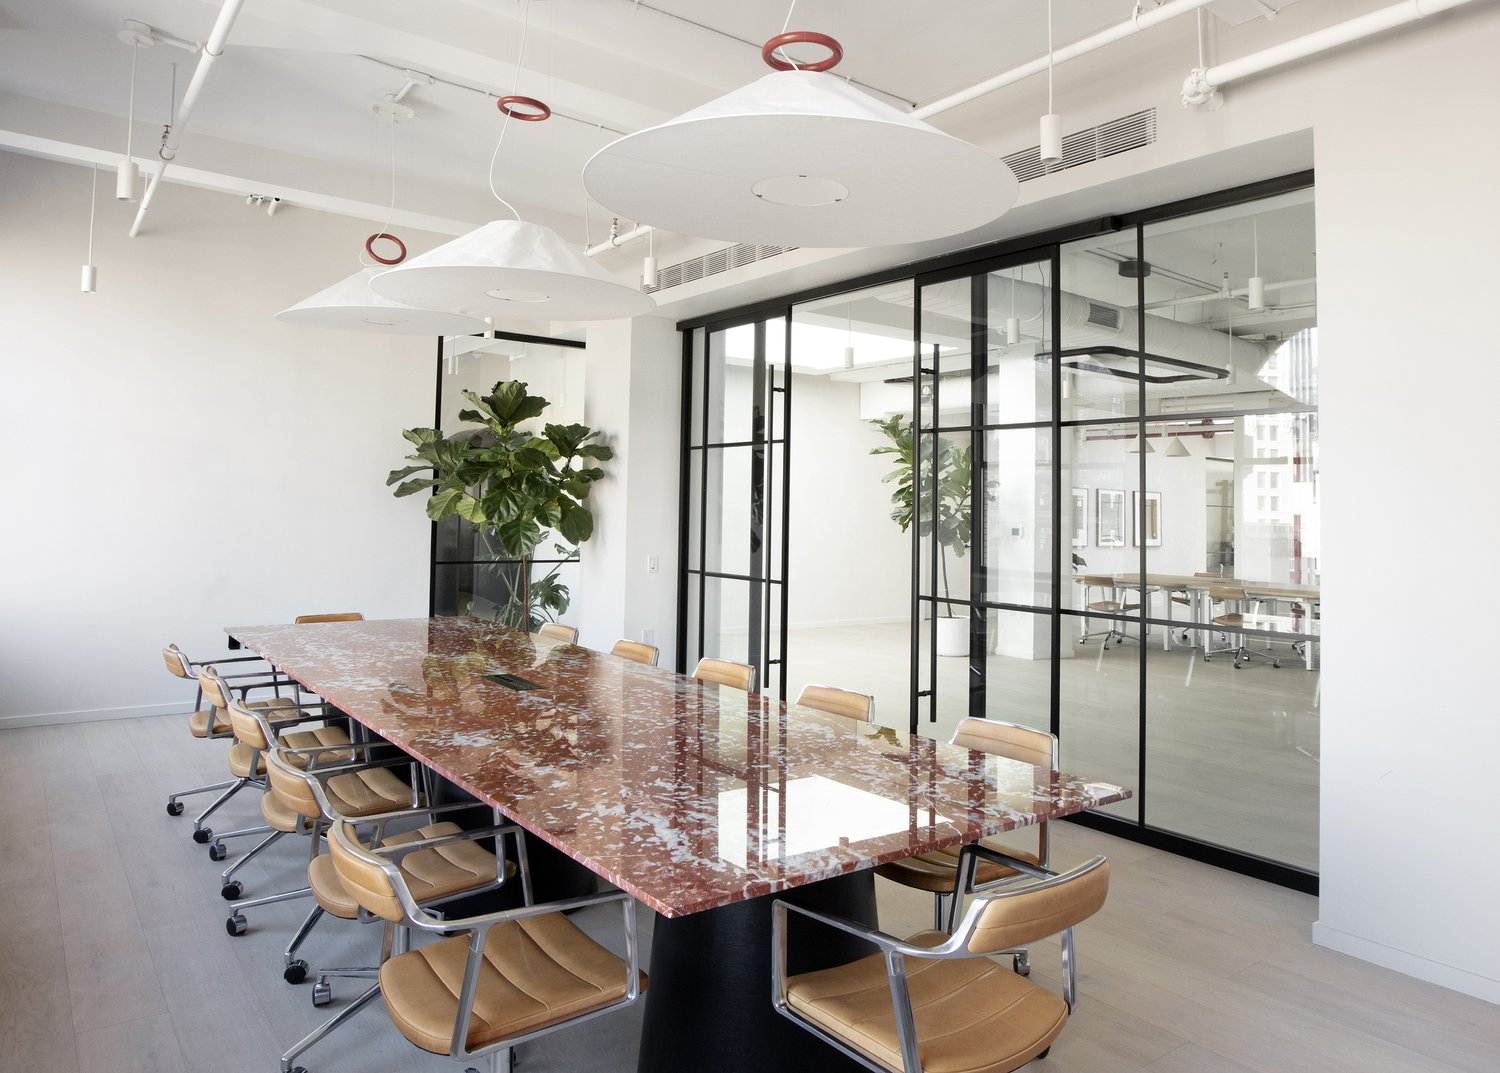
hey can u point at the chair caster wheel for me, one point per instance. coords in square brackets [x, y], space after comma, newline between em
[1238, 664]
[174, 808]
[231, 891]
[217, 852]
[322, 994]
[1021, 963]
[237, 924]
[1040, 1056]
[295, 973]
[202, 836]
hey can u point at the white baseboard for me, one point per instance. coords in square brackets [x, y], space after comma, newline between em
[94, 715]
[835, 623]
[1434, 972]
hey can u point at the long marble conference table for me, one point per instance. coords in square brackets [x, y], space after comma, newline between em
[695, 799]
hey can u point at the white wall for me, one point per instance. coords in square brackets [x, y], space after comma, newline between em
[1409, 872]
[177, 461]
[849, 562]
[634, 376]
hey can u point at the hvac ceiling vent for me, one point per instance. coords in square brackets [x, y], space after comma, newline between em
[1104, 316]
[711, 264]
[1086, 146]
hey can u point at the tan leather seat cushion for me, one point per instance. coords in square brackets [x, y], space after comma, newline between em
[240, 759]
[430, 873]
[972, 1015]
[365, 793]
[537, 972]
[280, 815]
[936, 871]
[311, 739]
[198, 722]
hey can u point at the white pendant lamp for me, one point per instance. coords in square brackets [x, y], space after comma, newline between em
[1257, 287]
[1139, 446]
[1176, 449]
[128, 173]
[351, 305]
[512, 269]
[89, 277]
[801, 158]
[1050, 149]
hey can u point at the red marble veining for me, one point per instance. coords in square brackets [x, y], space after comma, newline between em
[687, 796]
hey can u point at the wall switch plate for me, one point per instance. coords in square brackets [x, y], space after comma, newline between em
[653, 564]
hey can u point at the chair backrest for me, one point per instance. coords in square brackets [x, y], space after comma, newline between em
[215, 689]
[639, 651]
[248, 729]
[1207, 573]
[834, 701]
[556, 631]
[364, 875]
[1225, 592]
[1023, 914]
[292, 785]
[725, 672]
[176, 662]
[1010, 740]
[1102, 581]
[337, 616]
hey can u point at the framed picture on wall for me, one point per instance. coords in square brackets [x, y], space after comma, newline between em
[1110, 518]
[1147, 520]
[1080, 517]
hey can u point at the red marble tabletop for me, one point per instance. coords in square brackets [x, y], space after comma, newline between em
[687, 796]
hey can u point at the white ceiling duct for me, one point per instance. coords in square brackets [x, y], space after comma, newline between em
[351, 305]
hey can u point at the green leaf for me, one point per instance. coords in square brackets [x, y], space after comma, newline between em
[576, 525]
[441, 504]
[531, 458]
[408, 487]
[470, 508]
[596, 450]
[405, 471]
[422, 436]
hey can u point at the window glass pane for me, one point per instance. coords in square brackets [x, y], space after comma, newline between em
[731, 360]
[728, 509]
[695, 397]
[1018, 365]
[726, 619]
[1018, 516]
[1099, 328]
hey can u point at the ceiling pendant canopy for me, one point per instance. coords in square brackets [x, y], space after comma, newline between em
[351, 305]
[515, 270]
[801, 158]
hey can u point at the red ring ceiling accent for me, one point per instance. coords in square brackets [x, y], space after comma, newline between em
[370, 248]
[505, 104]
[835, 51]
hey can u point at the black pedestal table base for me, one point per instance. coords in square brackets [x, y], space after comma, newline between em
[708, 1006]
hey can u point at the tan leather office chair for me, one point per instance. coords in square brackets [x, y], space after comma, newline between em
[508, 977]
[857, 706]
[938, 1002]
[209, 722]
[244, 764]
[637, 651]
[1108, 602]
[938, 871]
[1232, 617]
[556, 631]
[337, 616]
[725, 672]
[445, 862]
[361, 790]
[1184, 598]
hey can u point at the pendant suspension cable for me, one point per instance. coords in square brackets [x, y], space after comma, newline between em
[93, 204]
[135, 55]
[785, 23]
[505, 124]
[1049, 57]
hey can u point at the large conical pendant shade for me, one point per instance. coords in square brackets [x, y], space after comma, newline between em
[350, 305]
[512, 269]
[801, 158]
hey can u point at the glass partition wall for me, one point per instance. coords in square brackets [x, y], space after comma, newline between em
[1091, 468]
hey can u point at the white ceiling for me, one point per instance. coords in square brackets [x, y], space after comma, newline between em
[289, 102]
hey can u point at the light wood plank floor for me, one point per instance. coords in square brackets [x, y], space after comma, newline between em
[113, 954]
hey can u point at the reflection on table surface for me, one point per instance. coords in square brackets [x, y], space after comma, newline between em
[687, 796]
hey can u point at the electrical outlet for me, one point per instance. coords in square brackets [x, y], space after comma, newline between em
[653, 564]
[648, 635]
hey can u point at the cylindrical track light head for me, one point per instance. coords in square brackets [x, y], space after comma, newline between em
[650, 277]
[127, 180]
[1012, 331]
[1257, 293]
[90, 279]
[1051, 137]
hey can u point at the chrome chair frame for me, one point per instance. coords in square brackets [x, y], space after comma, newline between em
[479, 926]
[397, 939]
[897, 950]
[192, 666]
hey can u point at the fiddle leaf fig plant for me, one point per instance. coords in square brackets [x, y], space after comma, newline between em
[945, 482]
[513, 486]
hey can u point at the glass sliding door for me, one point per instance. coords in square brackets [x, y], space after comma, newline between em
[735, 499]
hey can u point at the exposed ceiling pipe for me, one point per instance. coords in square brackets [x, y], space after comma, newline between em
[212, 50]
[1143, 20]
[1203, 84]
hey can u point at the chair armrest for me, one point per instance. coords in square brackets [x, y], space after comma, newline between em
[483, 922]
[226, 659]
[884, 940]
[378, 823]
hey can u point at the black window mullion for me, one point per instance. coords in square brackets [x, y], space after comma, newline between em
[979, 316]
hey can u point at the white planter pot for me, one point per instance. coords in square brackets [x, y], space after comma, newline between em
[953, 636]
